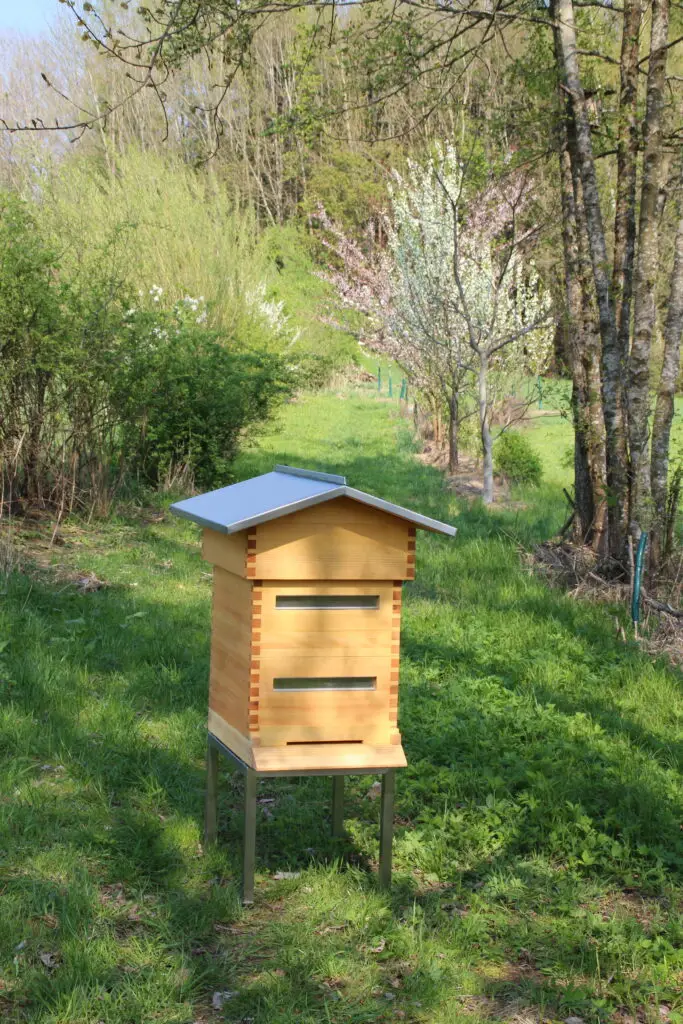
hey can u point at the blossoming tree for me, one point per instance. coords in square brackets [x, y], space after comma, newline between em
[467, 308]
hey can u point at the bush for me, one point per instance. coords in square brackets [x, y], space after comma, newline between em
[95, 387]
[181, 230]
[515, 459]
[185, 399]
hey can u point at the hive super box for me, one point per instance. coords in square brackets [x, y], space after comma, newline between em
[307, 583]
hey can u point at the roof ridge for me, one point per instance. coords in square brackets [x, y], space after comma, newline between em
[284, 490]
[312, 474]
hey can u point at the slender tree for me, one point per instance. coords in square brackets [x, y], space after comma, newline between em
[628, 139]
[497, 301]
[647, 258]
[664, 408]
[615, 429]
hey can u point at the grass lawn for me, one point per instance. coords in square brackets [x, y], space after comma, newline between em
[539, 841]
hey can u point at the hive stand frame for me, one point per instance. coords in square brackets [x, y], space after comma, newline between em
[215, 747]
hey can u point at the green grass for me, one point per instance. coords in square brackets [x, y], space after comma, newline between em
[538, 847]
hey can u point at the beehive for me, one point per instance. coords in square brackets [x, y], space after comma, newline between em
[307, 584]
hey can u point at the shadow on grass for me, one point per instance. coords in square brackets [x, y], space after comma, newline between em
[505, 767]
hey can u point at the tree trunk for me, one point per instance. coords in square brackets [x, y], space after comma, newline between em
[582, 352]
[453, 432]
[644, 306]
[628, 135]
[593, 422]
[486, 439]
[611, 371]
[664, 409]
[583, 491]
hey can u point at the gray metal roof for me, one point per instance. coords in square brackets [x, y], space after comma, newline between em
[285, 490]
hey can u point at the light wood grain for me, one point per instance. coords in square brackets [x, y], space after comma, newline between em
[293, 622]
[329, 757]
[340, 540]
[322, 663]
[313, 644]
[230, 736]
[325, 715]
[328, 643]
[337, 549]
[319, 731]
[229, 551]
[231, 649]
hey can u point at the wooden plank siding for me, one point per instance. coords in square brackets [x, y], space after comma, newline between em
[231, 639]
[229, 551]
[338, 549]
[339, 540]
[326, 642]
[328, 757]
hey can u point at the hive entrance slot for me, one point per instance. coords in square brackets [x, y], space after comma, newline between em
[317, 743]
[326, 602]
[326, 683]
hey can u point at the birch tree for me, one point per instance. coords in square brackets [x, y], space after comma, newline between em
[582, 349]
[611, 364]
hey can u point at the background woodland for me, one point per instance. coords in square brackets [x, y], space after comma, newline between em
[482, 195]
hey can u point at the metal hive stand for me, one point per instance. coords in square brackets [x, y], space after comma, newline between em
[215, 747]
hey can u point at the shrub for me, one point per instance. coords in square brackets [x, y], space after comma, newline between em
[94, 388]
[186, 399]
[515, 459]
[182, 231]
[183, 234]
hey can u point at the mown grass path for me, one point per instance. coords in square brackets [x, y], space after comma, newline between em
[538, 841]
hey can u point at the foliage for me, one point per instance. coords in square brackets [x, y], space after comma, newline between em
[427, 326]
[350, 186]
[92, 387]
[537, 839]
[452, 299]
[515, 458]
[182, 231]
[289, 267]
[186, 398]
[499, 297]
[60, 345]
[295, 106]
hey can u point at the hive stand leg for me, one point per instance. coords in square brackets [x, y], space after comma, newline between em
[337, 805]
[211, 803]
[386, 828]
[249, 861]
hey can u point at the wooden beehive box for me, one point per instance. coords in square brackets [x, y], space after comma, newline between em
[307, 583]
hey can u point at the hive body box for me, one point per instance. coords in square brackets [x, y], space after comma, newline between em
[307, 585]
